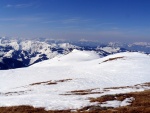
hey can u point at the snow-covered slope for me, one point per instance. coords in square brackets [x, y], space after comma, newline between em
[58, 82]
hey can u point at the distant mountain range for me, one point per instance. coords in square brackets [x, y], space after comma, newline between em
[23, 53]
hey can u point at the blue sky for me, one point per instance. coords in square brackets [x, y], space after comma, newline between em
[104, 20]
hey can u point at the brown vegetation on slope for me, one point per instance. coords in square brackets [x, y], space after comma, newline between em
[83, 92]
[110, 59]
[50, 82]
[28, 109]
[141, 104]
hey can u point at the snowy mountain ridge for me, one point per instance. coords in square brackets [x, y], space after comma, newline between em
[22, 53]
[57, 84]
[16, 53]
[29, 52]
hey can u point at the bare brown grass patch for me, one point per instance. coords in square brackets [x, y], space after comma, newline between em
[28, 109]
[83, 92]
[141, 104]
[111, 59]
[50, 82]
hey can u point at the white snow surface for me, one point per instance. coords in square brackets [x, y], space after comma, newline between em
[84, 69]
[116, 103]
[127, 101]
[9, 54]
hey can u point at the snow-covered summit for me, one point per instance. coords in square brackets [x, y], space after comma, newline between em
[43, 84]
[55, 83]
[75, 56]
[78, 56]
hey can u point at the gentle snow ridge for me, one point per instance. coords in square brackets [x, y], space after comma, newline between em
[78, 70]
[76, 56]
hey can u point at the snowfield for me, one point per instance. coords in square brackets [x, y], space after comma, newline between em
[68, 81]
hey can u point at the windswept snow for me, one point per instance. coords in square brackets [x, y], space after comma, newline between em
[46, 84]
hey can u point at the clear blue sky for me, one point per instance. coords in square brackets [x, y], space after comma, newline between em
[112, 20]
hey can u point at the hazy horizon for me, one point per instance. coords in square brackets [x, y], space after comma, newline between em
[102, 20]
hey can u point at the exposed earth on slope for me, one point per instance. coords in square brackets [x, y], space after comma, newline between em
[76, 80]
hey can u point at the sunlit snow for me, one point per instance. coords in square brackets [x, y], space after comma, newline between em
[80, 70]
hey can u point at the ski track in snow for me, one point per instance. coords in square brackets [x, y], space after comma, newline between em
[83, 69]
